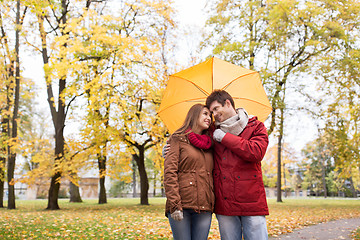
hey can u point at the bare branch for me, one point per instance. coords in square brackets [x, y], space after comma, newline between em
[68, 105]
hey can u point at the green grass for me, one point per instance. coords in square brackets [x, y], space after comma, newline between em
[356, 234]
[127, 219]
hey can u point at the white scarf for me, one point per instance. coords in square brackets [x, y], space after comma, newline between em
[236, 124]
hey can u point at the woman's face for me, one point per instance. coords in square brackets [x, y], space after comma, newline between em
[204, 119]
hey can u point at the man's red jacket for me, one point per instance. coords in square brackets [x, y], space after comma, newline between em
[238, 185]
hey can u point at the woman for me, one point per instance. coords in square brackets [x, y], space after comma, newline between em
[188, 178]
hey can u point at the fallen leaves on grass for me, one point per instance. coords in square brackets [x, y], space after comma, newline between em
[131, 222]
[125, 219]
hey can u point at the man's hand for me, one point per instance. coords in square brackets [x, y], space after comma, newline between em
[218, 135]
[177, 215]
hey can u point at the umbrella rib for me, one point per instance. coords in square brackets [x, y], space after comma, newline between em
[202, 90]
[253, 101]
[188, 100]
[237, 79]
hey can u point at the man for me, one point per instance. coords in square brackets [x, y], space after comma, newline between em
[240, 145]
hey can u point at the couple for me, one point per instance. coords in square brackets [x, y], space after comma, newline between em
[198, 170]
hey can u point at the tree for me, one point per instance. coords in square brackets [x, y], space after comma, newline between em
[4, 135]
[317, 152]
[340, 88]
[55, 14]
[4, 107]
[113, 61]
[14, 127]
[290, 165]
[343, 148]
[142, 127]
[269, 168]
[280, 39]
[12, 80]
[340, 80]
[34, 138]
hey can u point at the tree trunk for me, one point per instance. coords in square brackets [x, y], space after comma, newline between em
[59, 151]
[54, 192]
[74, 193]
[58, 118]
[102, 156]
[2, 175]
[281, 126]
[6, 134]
[154, 186]
[323, 176]
[59, 123]
[5, 130]
[144, 183]
[12, 154]
[102, 171]
[11, 182]
[352, 188]
[162, 187]
[279, 170]
[134, 177]
[285, 183]
[4, 122]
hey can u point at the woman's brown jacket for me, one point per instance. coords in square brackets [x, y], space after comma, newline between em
[188, 179]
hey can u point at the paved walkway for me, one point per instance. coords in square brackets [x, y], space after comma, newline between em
[339, 229]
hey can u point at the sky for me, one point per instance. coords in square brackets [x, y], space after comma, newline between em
[191, 11]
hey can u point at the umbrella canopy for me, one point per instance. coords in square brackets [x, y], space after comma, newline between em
[193, 85]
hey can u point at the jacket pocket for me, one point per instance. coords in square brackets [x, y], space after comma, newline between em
[187, 188]
[247, 187]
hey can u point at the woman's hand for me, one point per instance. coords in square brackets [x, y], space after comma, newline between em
[177, 215]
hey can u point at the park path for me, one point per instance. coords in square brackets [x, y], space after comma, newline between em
[339, 229]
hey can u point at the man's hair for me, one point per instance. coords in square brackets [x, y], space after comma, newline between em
[221, 96]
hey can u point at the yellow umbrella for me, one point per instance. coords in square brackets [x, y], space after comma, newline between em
[194, 84]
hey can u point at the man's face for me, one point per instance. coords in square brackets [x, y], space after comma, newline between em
[221, 113]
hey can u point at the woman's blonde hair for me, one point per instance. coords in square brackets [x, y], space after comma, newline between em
[191, 120]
